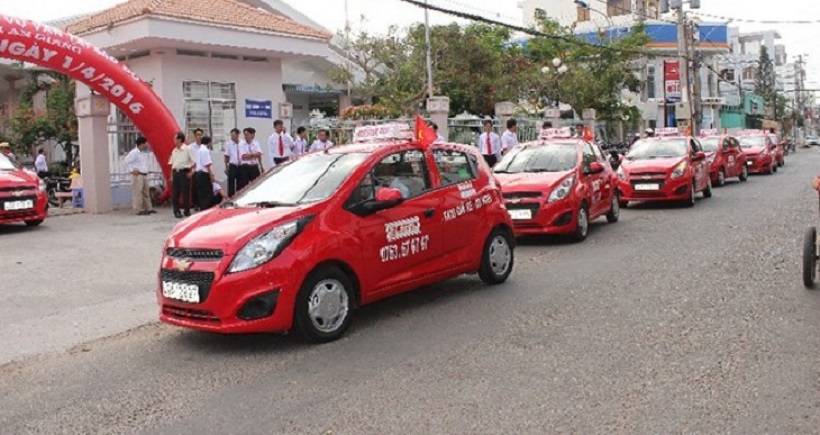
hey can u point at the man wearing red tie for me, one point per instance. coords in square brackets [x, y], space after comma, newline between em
[489, 143]
[280, 144]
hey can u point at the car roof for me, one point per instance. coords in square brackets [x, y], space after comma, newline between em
[386, 147]
[554, 141]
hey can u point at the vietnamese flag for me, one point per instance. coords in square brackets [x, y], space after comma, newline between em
[425, 135]
[588, 135]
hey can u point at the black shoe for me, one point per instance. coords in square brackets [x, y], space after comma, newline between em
[141, 213]
[178, 215]
[151, 212]
[187, 213]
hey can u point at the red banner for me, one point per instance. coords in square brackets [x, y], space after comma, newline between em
[51, 48]
[671, 81]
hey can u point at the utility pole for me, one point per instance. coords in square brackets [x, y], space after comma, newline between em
[683, 59]
[697, 109]
[429, 59]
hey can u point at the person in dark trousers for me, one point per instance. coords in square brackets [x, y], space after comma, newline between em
[250, 156]
[489, 143]
[232, 161]
[181, 164]
[202, 174]
[218, 195]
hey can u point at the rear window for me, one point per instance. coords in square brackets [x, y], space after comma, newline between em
[710, 144]
[752, 142]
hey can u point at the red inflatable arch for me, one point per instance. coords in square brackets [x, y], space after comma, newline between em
[52, 48]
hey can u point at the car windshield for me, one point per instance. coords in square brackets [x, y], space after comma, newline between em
[657, 149]
[752, 142]
[312, 178]
[710, 144]
[557, 157]
[7, 164]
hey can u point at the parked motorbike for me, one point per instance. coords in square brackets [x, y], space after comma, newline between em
[55, 185]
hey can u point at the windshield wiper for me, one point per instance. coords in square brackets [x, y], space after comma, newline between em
[542, 170]
[502, 172]
[271, 204]
[228, 204]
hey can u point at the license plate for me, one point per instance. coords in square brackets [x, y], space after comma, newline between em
[749, 162]
[647, 186]
[18, 205]
[520, 214]
[181, 292]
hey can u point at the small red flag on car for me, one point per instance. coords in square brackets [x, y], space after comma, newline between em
[588, 135]
[425, 135]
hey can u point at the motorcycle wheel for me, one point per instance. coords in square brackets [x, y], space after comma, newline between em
[52, 197]
[810, 258]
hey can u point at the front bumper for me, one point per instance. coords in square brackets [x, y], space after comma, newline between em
[559, 217]
[667, 189]
[37, 213]
[223, 296]
[759, 165]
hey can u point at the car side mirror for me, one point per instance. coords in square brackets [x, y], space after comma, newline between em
[700, 155]
[595, 168]
[386, 197]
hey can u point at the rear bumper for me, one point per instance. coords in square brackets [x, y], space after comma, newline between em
[670, 190]
[559, 217]
[759, 165]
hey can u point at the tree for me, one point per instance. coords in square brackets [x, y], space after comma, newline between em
[30, 126]
[765, 82]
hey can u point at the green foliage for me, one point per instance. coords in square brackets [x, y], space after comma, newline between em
[765, 82]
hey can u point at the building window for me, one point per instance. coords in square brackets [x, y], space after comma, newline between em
[210, 106]
[728, 75]
[650, 82]
[750, 73]
[616, 8]
[583, 13]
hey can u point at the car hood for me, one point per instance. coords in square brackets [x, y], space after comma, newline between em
[17, 178]
[651, 165]
[228, 229]
[530, 181]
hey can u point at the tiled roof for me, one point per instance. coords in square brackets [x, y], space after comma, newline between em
[231, 13]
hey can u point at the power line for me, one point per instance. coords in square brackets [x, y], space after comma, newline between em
[533, 32]
[746, 20]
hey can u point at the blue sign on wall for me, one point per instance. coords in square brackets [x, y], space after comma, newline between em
[258, 109]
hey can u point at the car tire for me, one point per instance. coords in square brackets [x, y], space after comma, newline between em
[326, 289]
[497, 258]
[614, 210]
[721, 178]
[581, 224]
[744, 173]
[690, 202]
[34, 223]
[623, 204]
[810, 258]
[774, 167]
[707, 192]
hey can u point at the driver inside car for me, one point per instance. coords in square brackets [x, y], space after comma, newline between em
[387, 177]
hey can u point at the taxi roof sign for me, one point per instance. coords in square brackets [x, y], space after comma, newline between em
[555, 133]
[383, 132]
[709, 132]
[667, 132]
[751, 132]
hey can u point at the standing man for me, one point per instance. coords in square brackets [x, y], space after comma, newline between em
[232, 161]
[439, 137]
[5, 149]
[579, 131]
[202, 174]
[509, 139]
[490, 144]
[250, 157]
[181, 165]
[136, 162]
[280, 144]
[41, 165]
[300, 144]
[194, 148]
[322, 142]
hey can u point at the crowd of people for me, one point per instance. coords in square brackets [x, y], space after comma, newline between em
[194, 184]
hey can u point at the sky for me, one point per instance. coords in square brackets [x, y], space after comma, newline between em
[380, 14]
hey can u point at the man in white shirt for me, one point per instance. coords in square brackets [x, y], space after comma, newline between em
[136, 162]
[232, 161]
[322, 142]
[202, 174]
[40, 164]
[193, 147]
[300, 144]
[509, 140]
[489, 143]
[280, 144]
[250, 158]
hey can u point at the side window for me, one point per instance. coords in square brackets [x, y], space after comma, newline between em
[734, 142]
[694, 146]
[454, 167]
[365, 191]
[598, 154]
[405, 171]
[727, 143]
[589, 155]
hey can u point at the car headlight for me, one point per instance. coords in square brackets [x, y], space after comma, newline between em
[620, 172]
[42, 186]
[563, 189]
[679, 170]
[266, 247]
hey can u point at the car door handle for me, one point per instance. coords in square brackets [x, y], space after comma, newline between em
[429, 212]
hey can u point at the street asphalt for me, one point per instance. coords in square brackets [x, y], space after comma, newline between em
[673, 320]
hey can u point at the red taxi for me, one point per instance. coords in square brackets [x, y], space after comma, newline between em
[761, 152]
[22, 194]
[725, 157]
[664, 168]
[557, 185]
[315, 238]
